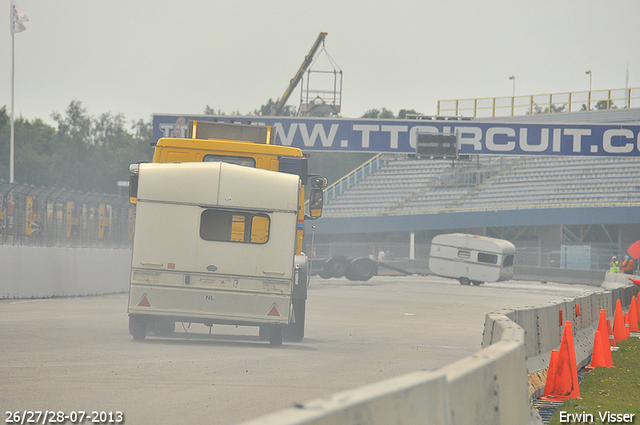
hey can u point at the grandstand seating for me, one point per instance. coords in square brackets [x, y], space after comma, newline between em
[410, 186]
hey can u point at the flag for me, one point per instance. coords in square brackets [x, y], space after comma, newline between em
[17, 18]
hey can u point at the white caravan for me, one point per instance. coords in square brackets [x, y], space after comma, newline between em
[472, 259]
[214, 243]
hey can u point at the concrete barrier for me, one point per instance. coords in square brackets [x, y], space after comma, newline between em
[40, 272]
[486, 388]
[543, 327]
[419, 397]
[522, 272]
[620, 278]
[491, 387]
[554, 274]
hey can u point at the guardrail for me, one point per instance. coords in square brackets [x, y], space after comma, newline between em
[490, 387]
[37, 216]
[353, 177]
[542, 103]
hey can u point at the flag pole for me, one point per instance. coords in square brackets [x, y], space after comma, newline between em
[12, 143]
[17, 18]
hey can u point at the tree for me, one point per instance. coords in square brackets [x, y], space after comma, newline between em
[378, 114]
[83, 153]
[552, 109]
[4, 117]
[33, 142]
[265, 110]
[93, 154]
[605, 104]
[76, 125]
[211, 111]
[404, 112]
[33, 151]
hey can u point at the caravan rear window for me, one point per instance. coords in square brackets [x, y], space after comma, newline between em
[234, 226]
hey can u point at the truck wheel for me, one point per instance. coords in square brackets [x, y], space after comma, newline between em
[477, 282]
[363, 269]
[138, 327]
[324, 273]
[465, 281]
[275, 335]
[295, 331]
[336, 266]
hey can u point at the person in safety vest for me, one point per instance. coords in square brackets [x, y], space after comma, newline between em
[627, 265]
[614, 267]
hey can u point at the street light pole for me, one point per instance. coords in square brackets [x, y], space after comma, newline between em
[588, 72]
[513, 96]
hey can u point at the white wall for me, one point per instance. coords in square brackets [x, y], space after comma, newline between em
[36, 272]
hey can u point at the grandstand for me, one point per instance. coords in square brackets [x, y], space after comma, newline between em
[547, 205]
[411, 186]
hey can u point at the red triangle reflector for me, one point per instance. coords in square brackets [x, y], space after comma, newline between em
[144, 302]
[274, 311]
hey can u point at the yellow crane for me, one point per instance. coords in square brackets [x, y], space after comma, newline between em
[279, 105]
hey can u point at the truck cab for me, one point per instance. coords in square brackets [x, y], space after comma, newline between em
[250, 146]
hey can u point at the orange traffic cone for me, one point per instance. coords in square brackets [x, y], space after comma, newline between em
[633, 315]
[619, 330]
[551, 372]
[565, 377]
[604, 337]
[598, 356]
[612, 340]
[626, 325]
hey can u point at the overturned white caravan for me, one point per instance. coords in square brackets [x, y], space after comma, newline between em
[472, 259]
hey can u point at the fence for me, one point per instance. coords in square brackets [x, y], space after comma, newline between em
[572, 257]
[541, 103]
[51, 217]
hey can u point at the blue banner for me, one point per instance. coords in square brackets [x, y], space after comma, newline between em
[400, 136]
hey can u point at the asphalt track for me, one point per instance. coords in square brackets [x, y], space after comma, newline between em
[76, 354]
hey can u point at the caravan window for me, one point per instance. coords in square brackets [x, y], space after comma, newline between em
[483, 257]
[234, 226]
[508, 261]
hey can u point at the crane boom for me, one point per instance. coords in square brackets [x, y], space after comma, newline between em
[279, 106]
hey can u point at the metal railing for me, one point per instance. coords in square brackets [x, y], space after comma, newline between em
[470, 174]
[457, 209]
[542, 103]
[353, 177]
[38, 216]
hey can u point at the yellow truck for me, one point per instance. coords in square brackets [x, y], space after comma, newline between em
[218, 233]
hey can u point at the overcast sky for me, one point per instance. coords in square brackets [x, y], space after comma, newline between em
[141, 57]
